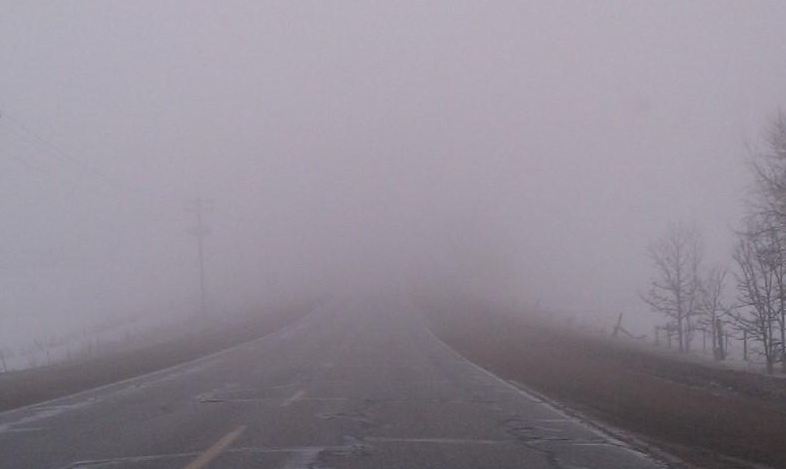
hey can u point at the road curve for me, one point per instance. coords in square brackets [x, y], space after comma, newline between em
[360, 385]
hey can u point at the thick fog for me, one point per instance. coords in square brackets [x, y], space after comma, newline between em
[525, 151]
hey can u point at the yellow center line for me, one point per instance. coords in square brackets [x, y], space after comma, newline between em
[215, 451]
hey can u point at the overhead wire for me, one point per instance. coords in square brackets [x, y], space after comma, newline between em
[109, 184]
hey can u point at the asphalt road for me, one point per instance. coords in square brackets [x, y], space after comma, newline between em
[362, 385]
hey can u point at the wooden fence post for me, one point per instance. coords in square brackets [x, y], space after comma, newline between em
[745, 345]
[720, 352]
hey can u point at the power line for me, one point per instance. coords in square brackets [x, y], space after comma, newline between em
[115, 186]
[26, 162]
[108, 189]
[20, 129]
[111, 185]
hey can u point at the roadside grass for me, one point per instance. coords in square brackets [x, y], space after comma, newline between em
[26, 387]
[709, 417]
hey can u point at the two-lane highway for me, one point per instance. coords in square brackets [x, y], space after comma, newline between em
[360, 385]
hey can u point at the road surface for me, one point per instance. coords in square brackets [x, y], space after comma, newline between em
[364, 385]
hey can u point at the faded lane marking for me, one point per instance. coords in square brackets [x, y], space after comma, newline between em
[294, 397]
[304, 459]
[441, 441]
[215, 451]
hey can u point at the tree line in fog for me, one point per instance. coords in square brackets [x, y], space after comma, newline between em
[747, 297]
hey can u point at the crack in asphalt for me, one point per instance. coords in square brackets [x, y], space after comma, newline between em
[529, 436]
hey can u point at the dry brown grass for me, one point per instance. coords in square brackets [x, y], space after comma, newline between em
[705, 415]
[21, 388]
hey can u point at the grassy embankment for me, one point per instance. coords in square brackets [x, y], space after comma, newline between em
[709, 417]
[21, 388]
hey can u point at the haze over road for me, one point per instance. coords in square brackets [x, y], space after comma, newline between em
[353, 385]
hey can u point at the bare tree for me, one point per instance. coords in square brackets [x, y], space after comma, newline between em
[777, 240]
[3, 362]
[769, 170]
[674, 290]
[711, 307]
[759, 263]
[768, 208]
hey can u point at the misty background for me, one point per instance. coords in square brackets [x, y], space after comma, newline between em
[522, 151]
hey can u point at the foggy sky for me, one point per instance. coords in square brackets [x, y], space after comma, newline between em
[527, 150]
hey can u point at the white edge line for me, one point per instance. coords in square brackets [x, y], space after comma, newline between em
[294, 398]
[151, 374]
[613, 435]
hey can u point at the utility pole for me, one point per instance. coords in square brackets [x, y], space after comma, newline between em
[198, 207]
